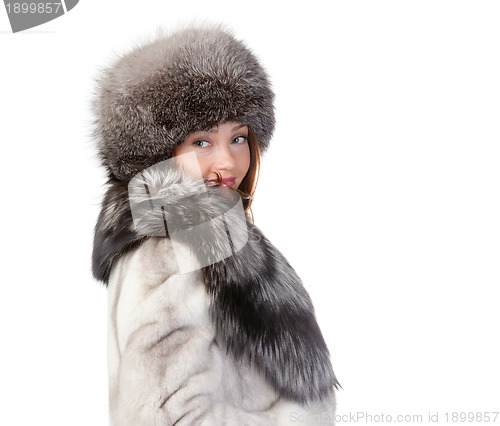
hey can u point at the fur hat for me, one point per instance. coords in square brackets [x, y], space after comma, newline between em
[149, 100]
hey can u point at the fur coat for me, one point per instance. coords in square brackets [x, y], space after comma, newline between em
[196, 337]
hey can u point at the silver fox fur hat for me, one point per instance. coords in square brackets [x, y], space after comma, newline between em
[192, 80]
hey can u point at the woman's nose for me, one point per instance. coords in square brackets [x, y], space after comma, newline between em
[224, 159]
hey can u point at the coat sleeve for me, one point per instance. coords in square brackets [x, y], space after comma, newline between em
[164, 362]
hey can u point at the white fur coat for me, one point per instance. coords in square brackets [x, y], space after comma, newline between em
[231, 343]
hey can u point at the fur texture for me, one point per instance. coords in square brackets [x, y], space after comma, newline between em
[167, 365]
[156, 95]
[259, 307]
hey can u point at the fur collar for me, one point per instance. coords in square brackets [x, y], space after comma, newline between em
[259, 307]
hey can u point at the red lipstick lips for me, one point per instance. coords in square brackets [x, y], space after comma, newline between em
[228, 182]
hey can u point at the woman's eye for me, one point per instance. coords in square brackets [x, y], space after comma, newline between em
[201, 144]
[240, 139]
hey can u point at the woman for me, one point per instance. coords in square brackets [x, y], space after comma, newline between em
[208, 323]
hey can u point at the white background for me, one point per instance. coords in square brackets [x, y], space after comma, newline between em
[381, 187]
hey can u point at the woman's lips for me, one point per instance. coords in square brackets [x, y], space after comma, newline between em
[227, 182]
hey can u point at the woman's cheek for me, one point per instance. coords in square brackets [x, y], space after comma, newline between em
[190, 164]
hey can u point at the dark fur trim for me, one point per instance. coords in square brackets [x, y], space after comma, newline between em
[263, 313]
[159, 93]
[114, 231]
[259, 306]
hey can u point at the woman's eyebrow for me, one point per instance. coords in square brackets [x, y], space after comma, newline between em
[238, 127]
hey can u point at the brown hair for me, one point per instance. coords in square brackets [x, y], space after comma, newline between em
[249, 183]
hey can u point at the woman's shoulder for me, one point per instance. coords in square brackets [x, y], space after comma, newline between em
[156, 254]
[151, 263]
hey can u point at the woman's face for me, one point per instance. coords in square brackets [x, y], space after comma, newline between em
[223, 149]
